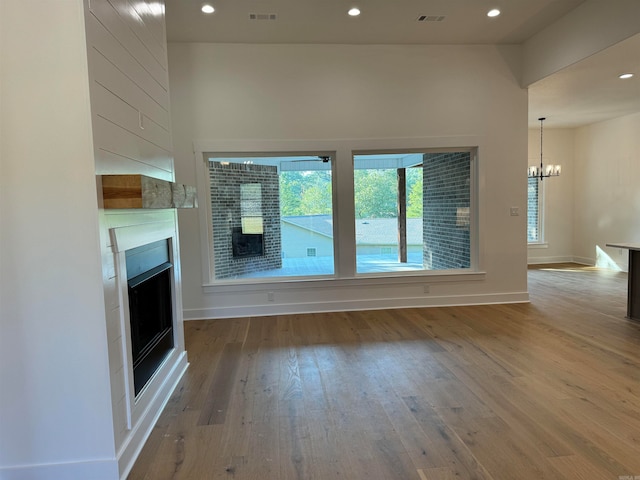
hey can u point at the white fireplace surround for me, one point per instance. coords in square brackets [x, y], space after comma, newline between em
[143, 411]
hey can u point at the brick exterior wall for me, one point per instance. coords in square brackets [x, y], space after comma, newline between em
[225, 181]
[446, 183]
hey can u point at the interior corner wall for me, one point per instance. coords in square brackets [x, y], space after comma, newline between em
[55, 411]
[557, 194]
[607, 202]
[301, 92]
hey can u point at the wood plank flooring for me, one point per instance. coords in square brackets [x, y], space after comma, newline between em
[546, 390]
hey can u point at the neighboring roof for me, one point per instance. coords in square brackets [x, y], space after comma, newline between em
[384, 231]
[371, 231]
[321, 224]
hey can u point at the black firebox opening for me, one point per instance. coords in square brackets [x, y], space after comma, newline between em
[246, 244]
[150, 310]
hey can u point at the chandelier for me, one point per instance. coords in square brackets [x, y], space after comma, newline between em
[542, 171]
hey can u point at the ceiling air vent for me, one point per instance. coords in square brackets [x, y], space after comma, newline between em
[430, 18]
[263, 16]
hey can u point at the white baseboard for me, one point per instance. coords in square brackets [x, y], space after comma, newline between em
[584, 261]
[108, 469]
[556, 259]
[94, 470]
[560, 259]
[342, 306]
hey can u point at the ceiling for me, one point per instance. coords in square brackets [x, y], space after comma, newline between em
[584, 93]
[590, 90]
[381, 21]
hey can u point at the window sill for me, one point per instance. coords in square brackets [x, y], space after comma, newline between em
[535, 246]
[303, 283]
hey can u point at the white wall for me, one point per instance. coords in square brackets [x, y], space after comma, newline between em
[591, 27]
[596, 199]
[296, 92]
[557, 192]
[55, 412]
[607, 204]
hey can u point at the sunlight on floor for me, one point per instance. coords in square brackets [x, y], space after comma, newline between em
[582, 268]
[572, 267]
[605, 261]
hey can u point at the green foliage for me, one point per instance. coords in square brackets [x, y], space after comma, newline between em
[316, 200]
[376, 193]
[290, 193]
[305, 193]
[414, 197]
[375, 190]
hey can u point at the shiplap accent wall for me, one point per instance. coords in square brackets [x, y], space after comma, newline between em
[126, 48]
[129, 88]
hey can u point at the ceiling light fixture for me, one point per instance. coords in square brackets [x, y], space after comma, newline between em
[354, 12]
[625, 76]
[543, 172]
[207, 9]
[493, 13]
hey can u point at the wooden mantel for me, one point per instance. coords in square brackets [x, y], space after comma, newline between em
[140, 191]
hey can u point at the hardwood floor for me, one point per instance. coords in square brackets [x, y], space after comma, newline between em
[546, 390]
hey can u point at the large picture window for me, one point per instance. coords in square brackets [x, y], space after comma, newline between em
[412, 211]
[271, 216]
[274, 217]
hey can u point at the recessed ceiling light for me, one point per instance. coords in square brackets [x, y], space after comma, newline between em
[626, 75]
[493, 13]
[354, 12]
[207, 9]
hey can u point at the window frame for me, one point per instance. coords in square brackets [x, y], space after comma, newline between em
[473, 226]
[342, 151]
[249, 157]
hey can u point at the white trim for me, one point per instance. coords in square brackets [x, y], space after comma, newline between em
[106, 469]
[357, 305]
[131, 448]
[125, 325]
[143, 411]
[558, 259]
[344, 228]
[584, 260]
[205, 221]
[535, 246]
[289, 283]
[542, 212]
[132, 236]
[354, 144]
[125, 238]
[476, 203]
